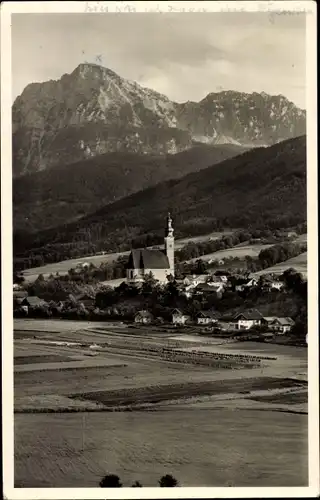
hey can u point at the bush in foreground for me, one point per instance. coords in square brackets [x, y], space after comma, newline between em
[113, 481]
[110, 481]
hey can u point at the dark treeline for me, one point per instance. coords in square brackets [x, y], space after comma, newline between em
[264, 188]
[79, 248]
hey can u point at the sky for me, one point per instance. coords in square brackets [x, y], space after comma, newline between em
[184, 56]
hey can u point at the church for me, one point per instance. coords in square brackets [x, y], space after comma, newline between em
[143, 261]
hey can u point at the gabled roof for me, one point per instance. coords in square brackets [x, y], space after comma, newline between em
[205, 287]
[143, 258]
[35, 301]
[178, 312]
[252, 314]
[217, 279]
[84, 296]
[207, 314]
[144, 314]
[197, 277]
[20, 294]
[269, 318]
[284, 321]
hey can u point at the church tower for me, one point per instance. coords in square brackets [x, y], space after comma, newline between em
[169, 244]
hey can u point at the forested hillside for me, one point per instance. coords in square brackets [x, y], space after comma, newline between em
[264, 187]
[58, 195]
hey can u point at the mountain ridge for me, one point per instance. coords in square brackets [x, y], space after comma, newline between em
[63, 193]
[233, 193]
[93, 110]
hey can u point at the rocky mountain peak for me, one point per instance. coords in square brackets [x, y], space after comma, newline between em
[93, 111]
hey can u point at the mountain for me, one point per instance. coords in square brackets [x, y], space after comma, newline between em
[56, 195]
[260, 188]
[93, 111]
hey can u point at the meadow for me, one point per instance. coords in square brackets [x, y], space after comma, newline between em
[195, 422]
[63, 267]
[219, 447]
[299, 263]
[239, 251]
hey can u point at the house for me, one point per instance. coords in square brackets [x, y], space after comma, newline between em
[179, 318]
[206, 318]
[86, 300]
[16, 287]
[226, 323]
[186, 290]
[20, 294]
[244, 284]
[196, 279]
[144, 317]
[18, 298]
[33, 302]
[282, 325]
[248, 319]
[269, 284]
[143, 261]
[268, 320]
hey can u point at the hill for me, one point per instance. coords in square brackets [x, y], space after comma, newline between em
[68, 192]
[93, 111]
[264, 187]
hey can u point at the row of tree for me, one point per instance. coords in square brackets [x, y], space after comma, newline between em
[113, 481]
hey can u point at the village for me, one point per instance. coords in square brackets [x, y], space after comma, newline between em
[195, 293]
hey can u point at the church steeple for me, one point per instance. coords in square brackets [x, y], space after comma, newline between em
[169, 228]
[169, 244]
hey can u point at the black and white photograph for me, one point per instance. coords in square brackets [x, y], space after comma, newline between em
[159, 242]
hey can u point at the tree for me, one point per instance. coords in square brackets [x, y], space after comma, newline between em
[168, 481]
[110, 481]
[149, 284]
[136, 484]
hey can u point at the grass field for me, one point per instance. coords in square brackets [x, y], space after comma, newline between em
[198, 423]
[238, 251]
[199, 447]
[299, 263]
[64, 266]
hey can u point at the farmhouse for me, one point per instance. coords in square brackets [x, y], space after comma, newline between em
[268, 320]
[248, 319]
[206, 318]
[144, 317]
[210, 288]
[282, 325]
[33, 303]
[271, 284]
[179, 318]
[196, 279]
[160, 264]
[86, 300]
[245, 284]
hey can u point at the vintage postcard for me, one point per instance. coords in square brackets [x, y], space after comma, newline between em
[159, 250]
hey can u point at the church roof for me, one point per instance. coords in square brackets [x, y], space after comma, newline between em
[143, 258]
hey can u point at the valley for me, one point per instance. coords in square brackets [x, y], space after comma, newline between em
[177, 408]
[233, 193]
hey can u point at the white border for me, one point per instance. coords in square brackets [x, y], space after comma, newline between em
[7, 9]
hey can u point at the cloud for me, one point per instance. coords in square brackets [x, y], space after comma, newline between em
[184, 56]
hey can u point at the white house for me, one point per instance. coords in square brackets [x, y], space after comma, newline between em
[282, 325]
[196, 279]
[248, 319]
[179, 318]
[144, 317]
[206, 318]
[249, 283]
